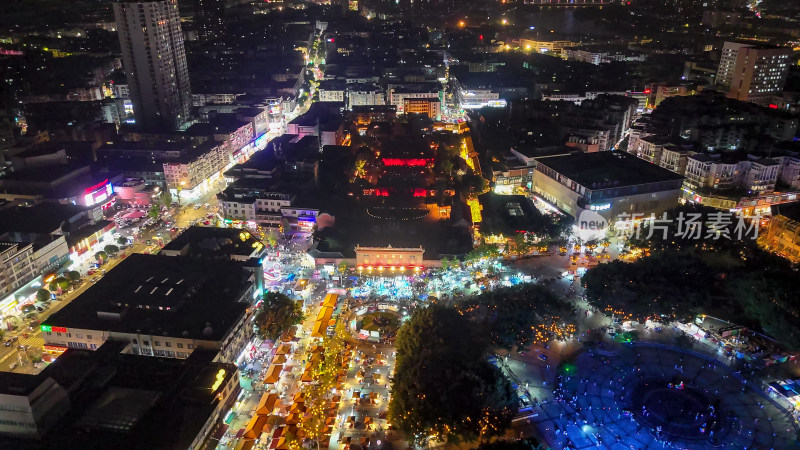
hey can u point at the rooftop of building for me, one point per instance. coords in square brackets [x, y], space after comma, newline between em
[414, 88]
[42, 218]
[219, 124]
[250, 111]
[125, 401]
[45, 174]
[73, 149]
[602, 170]
[509, 214]
[319, 112]
[144, 146]
[161, 295]
[210, 242]
[789, 210]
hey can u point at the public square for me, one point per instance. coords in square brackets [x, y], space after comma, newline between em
[647, 395]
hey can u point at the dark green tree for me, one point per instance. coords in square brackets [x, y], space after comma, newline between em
[166, 198]
[42, 295]
[474, 185]
[521, 315]
[522, 444]
[278, 312]
[111, 249]
[442, 384]
[101, 256]
[122, 240]
[154, 212]
[59, 284]
[73, 276]
[671, 285]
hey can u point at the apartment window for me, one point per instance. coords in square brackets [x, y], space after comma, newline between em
[157, 343]
[168, 344]
[190, 346]
[134, 341]
[88, 336]
[146, 342]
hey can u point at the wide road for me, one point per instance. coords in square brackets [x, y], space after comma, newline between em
[13, 355]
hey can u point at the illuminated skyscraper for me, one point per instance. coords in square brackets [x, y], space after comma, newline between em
[155, 62]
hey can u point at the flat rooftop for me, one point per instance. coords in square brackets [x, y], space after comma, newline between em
[789, 210]
[161, 295]
[603, 170]
[42, 218]
[212, 241]
[127, 402]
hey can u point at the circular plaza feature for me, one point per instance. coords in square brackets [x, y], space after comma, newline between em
[375, 322]
[673, 409]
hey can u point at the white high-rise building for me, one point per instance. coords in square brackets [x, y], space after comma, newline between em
[753, 73]
[155, 62]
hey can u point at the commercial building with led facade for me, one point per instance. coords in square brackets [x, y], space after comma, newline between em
[389, 259]
[612, 184]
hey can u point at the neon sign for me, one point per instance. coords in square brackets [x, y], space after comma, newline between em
[218, 381]
[412, 162]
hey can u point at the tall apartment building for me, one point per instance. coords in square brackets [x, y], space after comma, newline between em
[16, 266]
[155, 62]
[191, 171]
[210, 18]
[753, 73]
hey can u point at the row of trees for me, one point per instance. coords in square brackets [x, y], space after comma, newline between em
[58, 284]
[701, 272]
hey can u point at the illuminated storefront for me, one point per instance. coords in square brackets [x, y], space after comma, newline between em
[100, 194]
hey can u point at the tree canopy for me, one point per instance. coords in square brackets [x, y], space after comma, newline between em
[519, 316]
[649, 287]
[73, 275]
[278, 312]
[42, 295]
[522, 444]
[442, 384]
[739, 283]
[59, 284]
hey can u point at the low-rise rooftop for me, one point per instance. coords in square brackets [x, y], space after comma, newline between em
[604, 170]
[161, 295]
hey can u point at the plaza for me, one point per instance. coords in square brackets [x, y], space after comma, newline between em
[646, 396]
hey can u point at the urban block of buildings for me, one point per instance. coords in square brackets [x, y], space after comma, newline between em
[161, 306]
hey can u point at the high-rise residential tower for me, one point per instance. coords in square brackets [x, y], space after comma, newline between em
[210, 18]
[752, 72]
[155, 62]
